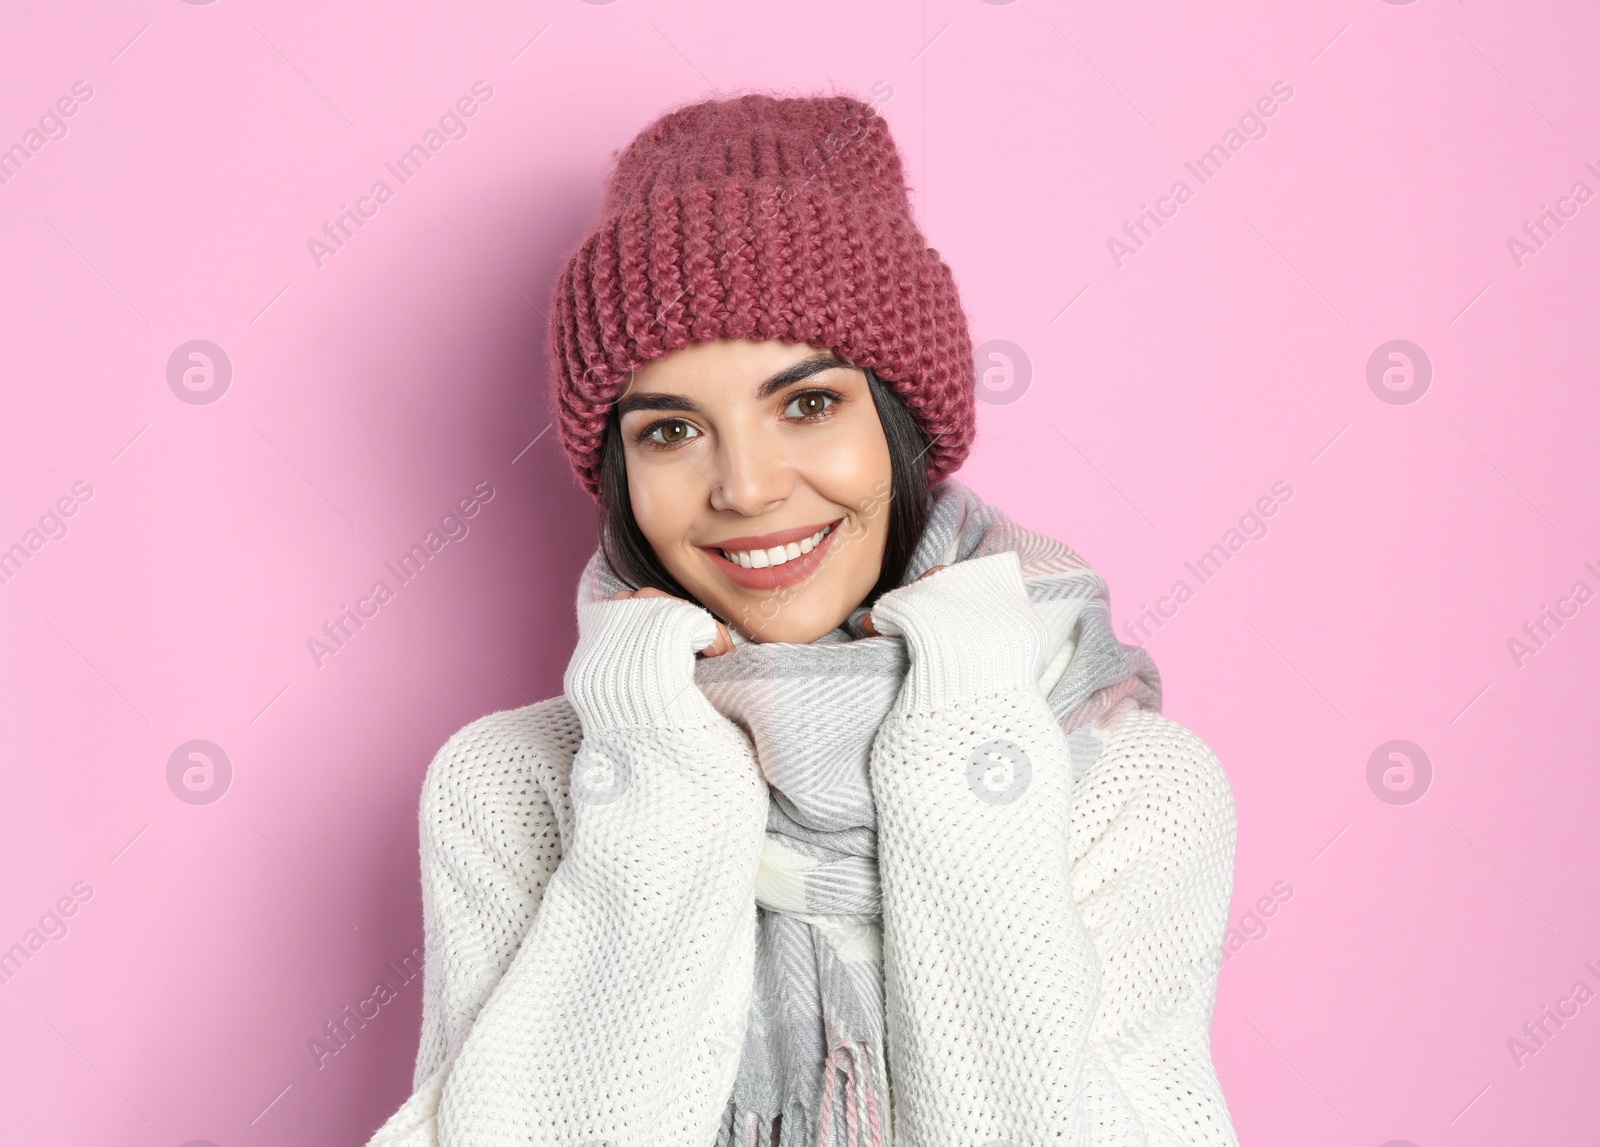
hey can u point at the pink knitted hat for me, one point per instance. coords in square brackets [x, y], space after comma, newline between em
[760, 218]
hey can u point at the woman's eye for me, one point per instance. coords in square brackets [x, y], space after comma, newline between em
[811, 403]
[671, 432]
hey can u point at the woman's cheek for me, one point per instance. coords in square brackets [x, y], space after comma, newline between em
[662, 505]
[851, 468]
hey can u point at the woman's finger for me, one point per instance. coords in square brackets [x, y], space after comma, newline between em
[647, 591]
[723, 643]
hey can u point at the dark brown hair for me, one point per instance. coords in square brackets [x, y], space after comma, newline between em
[636, 563]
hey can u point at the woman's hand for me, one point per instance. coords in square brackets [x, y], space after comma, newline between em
[972, 634]
[723, 643]
[866, 622]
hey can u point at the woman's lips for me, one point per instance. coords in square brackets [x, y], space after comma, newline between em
[773, 577]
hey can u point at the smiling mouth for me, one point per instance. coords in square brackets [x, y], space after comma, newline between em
[778, 566]
[777, 555]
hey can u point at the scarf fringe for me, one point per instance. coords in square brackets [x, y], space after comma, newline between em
[849, 1093]
[859, 1098]
[753, 1129]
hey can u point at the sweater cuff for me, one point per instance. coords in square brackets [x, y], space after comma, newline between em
[634, 664]
[970, 630]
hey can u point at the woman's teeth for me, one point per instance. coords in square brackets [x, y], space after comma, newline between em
[777, 555]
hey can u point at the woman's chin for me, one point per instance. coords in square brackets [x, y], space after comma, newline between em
[799, 619]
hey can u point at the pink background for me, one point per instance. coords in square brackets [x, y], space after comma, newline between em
[1166, 397]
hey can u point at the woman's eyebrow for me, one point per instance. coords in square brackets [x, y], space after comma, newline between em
[800, 370]
[653, 400]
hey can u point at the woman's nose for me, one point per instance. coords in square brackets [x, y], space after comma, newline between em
[750, 476]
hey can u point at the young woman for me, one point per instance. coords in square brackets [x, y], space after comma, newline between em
[854, 823]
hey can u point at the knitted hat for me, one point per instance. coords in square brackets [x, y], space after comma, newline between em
[760, 218]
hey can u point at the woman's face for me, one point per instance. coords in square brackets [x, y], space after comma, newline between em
[748, 450]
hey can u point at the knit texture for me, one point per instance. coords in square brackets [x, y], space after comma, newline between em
[760, 218]
[814, 1055]
[1051, 964]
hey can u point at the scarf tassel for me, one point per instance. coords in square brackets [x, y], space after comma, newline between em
[790, 1128]
[849, 1095]
[859, 1099]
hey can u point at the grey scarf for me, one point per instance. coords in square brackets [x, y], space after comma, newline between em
[813, 1047]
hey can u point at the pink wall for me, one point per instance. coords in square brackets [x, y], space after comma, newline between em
[1227, 361]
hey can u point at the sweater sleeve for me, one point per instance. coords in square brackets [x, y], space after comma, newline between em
[489, 841]
[1153, 836]
[994, 973]
[620, 1016]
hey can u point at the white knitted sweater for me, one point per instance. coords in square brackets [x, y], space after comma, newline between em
[1050, 966]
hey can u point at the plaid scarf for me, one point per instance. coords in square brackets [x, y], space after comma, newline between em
[812, 1063]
